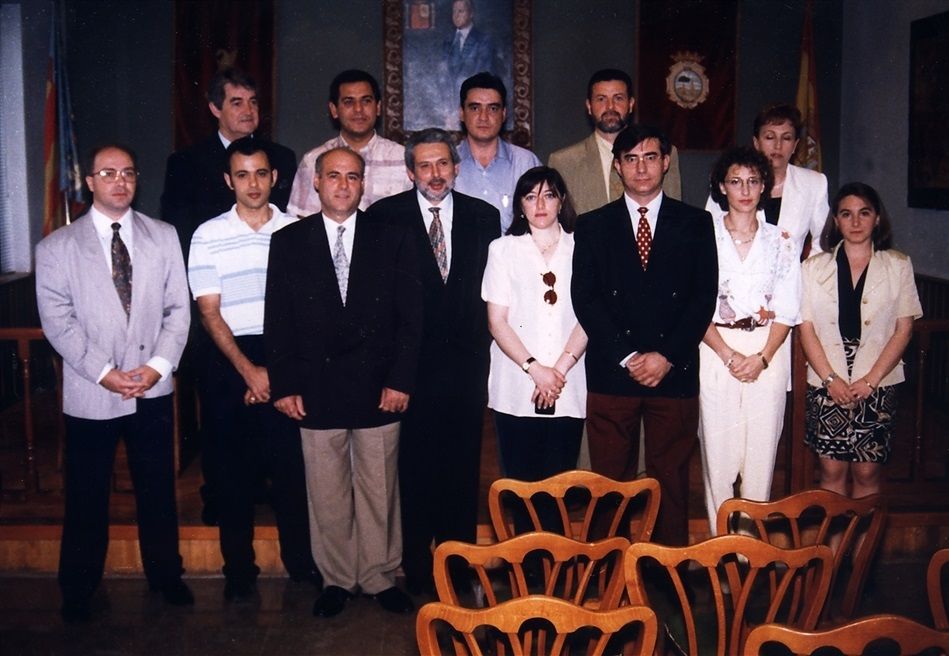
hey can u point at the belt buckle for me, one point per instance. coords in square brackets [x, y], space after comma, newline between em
[750, 328]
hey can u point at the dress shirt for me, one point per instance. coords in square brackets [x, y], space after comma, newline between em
[229, 258]
[445, 214]
[348, 236]
[652, 218]
[224, 140]
[385, 174]
[463, 35]
[495, 182]
[103, 226]
[605, 148]
[513, 278]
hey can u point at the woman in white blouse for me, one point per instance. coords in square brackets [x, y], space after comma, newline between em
[537, 384]
[744, 358]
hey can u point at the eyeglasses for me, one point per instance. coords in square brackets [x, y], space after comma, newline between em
[111, 175]
[738, 183]
[550, 296]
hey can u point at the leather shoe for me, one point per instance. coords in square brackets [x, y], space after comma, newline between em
[331, 602]
[238, 589]
[76, 611]
[177, 594]
[395, 601]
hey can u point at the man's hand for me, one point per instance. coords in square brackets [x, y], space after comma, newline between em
[648, 369]
[146, 377]
[292, 406]
[258, 384]
[121, 383]
[393, 400]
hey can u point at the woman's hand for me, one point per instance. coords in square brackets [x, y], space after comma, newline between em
[839, 392]
[746, 368]
[548, 381]
[861, 389]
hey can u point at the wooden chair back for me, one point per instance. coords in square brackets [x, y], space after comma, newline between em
[608, 506]
[851, 527]
[937, 601]
[743, 580]
[911, 637]
[585, 574]
[509, 628]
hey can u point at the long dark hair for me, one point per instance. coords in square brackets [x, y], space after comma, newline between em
[882, 235]
[538, 176]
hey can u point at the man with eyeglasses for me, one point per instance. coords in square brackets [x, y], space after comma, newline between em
[645, 275]
[120, 336]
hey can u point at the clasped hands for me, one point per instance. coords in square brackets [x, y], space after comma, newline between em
[648, 369]
[389, 401]
[548, 384]
[131, 384]
[746, 368]
[845, 394]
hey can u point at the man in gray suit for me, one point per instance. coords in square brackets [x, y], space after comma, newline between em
[587, 166]
[120, 338]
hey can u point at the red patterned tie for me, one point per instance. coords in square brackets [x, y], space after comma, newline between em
[643, 237]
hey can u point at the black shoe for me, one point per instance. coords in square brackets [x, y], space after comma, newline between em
[177, 594]
[239, 589]
[418, 586]
[313, 577]
[395, 601]
[76, 611]
[331, 602]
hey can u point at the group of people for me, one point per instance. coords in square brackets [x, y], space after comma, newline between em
[357, 310]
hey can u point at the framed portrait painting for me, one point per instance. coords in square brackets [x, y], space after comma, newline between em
[432, 46]
[928, 184]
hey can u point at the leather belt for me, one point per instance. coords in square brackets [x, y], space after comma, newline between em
[747, 323]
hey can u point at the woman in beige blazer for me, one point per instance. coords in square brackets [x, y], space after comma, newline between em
[858, 308]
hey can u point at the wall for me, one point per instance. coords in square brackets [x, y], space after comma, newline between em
[874, 131]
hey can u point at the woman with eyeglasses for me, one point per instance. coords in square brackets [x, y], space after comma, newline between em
[744, 358]
[537, 385]
[860, 301]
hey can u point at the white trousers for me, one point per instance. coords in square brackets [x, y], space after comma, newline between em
[352, 486]
[740, 422]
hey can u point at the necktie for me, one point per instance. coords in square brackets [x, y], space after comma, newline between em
[437, 236]
[121, 269]
[643, 237]
[341, 264]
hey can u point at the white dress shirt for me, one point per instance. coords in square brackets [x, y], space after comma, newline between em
[652, 218]
[348, 236]
[445, 214]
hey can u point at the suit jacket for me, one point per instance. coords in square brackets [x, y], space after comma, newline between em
[455, 337]
[582, 170]
[85, 322]
[889, 292]
[195, 190]
[478, 54]
[804, 206]
[340, 357]
[624, 309]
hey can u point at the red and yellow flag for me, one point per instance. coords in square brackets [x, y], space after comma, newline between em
[808, 150]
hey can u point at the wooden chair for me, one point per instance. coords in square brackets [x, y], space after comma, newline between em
[585, 574]
[606, 504]
[761, 583]
[510, 628]
[937, 601]
[911, 637]
[848, 526]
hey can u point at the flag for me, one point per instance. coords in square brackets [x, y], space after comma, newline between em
[808, 150]
[62, 182]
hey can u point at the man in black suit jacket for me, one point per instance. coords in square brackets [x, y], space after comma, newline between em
[440, 446]
[644, 290]
[342, 328]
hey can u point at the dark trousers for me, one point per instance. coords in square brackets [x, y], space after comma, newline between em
[89, 459]
[439, 474]
[255, 440]
[671, 428]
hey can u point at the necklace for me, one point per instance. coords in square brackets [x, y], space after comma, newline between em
[744, 237]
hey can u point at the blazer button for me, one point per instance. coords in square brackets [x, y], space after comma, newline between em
[628, 333]
[141, 347]
[615, 293]
[866, 323]
[865, 301]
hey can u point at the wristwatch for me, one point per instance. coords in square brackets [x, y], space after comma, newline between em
[831, 377]
[527, 364]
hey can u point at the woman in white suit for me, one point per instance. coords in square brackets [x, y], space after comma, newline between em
[798, 201]
[858, 308]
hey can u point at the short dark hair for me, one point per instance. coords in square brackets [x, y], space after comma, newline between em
[233, 76]
[318, 166]
[429, 136]
[90, 160]
[636, 134]
[349, 77]
[778, 114]
[740, 156]
[540, 175]
[247, 146]
[882, 235]
[483, 80]
[608, 75]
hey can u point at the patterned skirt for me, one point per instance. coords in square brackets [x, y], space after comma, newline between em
[861, 433]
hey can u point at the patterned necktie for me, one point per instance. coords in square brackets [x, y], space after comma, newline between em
[643, 237]
[121, 269]
[341, 264]
[437, 236]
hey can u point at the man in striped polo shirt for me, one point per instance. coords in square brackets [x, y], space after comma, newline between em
[227, 270]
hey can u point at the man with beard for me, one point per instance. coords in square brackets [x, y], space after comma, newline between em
[440, 445]
[587, 166]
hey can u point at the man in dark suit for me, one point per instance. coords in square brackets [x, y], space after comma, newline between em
[467, 50]
[342, 328]
[440, 446]
[120, 338]
[644, 286]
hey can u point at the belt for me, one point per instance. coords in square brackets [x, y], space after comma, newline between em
[747, 323]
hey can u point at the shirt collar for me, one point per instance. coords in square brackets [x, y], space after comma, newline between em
[446, 206]
[341, 142]
[504, 150]
[103, 224]
[234, 218]
[331, 225]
